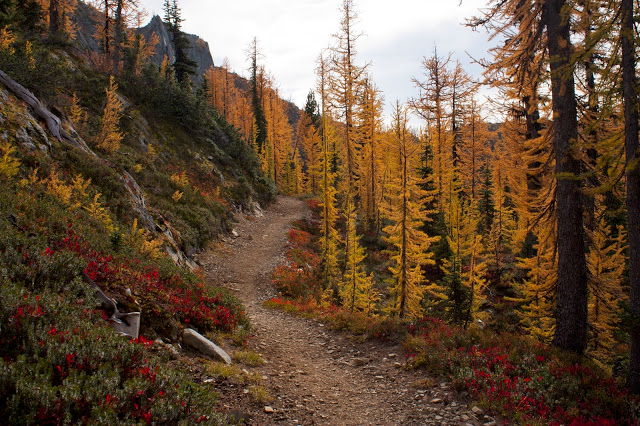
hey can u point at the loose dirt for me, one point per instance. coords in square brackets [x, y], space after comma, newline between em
[316, 375]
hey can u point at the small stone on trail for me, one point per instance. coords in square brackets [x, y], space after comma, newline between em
[268, 409]
[436, 400]
[359, 361]
[477, 410]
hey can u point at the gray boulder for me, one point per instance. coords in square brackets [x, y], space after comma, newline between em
[197, 341]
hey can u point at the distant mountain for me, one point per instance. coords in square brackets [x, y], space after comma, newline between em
[199, 51]
[88, 19]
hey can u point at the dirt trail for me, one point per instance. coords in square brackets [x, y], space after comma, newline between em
[318, 376]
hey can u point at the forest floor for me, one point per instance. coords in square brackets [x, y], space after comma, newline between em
[316, 375]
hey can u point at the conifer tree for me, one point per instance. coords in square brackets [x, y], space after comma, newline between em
[571, 310]
[370, 128]
[309, 137]
[485, 205]
[110, 136]
[344, 82]
[410, 245]
[356, 291]
[536, 294]
[606, 261]
[464, 271]
[183, 66]
[329, 235]
[430, 106]
[433, 217]
[632, 169]
[259, 138]
[539, 27]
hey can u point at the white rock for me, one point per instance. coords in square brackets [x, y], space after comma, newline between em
[268, 409]
[477, 410]
[197, 341]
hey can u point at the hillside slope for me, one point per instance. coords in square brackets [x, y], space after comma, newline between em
[115, 187]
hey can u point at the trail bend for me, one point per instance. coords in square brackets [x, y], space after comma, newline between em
[318, 376]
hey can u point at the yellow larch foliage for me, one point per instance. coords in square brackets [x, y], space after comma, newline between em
[279, 153]
[7, 39]
[309, 139]
[110, 137]
[181, 179]
[9, 165]
[141, 239]
[537, 291]
[606, 261]
[100, 213]
[58, 188]
[329, 235]
[356, 291]
[76, 114]
[28, 53]
[370, 130]
[466, 267]
[410, 245]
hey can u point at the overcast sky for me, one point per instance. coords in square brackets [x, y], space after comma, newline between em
[292, 33]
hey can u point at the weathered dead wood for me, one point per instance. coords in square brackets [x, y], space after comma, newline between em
[54, 123]
[124, 322]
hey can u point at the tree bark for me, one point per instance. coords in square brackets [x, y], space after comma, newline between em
[54, 17]
[117, 37]
[629, 87]
[571, 305]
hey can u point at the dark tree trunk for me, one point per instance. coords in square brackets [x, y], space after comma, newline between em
[630, 96]
[117, 37]
[107, 27]
[571, 306]
[54, 17]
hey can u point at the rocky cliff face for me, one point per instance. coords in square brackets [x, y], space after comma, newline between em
[88, 19]
[199, 50]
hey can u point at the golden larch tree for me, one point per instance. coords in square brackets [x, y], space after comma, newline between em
[110, 136]
[410, 246]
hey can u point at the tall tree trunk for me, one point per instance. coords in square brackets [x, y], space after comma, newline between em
[55, 16]
[117, 37]
[629, 87]
[107, 27]
[571, 306]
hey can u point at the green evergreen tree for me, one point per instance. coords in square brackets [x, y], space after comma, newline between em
[183, 66]
[311, 109]
[433, 217]
[259, 118]
[486, 206]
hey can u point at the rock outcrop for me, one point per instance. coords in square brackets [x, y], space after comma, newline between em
[199, 51]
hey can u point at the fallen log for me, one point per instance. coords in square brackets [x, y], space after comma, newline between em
[54, 123]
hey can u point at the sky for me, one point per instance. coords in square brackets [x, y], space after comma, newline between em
[397, 35]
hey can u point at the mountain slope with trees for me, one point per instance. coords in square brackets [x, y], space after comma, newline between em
[115, 173]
